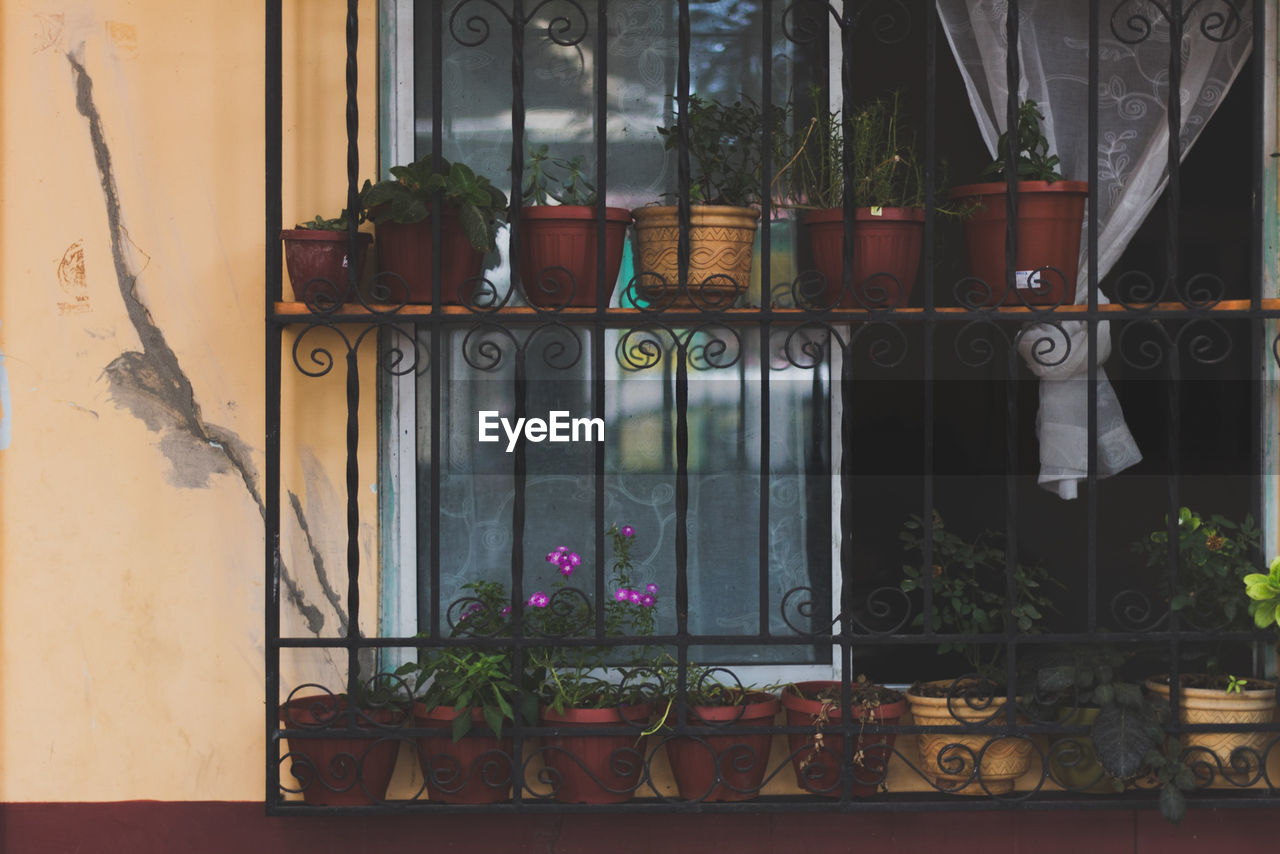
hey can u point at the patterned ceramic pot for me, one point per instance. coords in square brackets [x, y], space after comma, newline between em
[1223, 758]
[949, 757]
[720, 249]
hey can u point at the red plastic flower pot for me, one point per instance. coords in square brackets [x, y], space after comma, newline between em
[559, 257]
[476, 769]
[339, 770]
[317, 263]
[738, 761]
[816, 757]
[886, 257]
[407, 250]
[594, 769]
[1048, 243]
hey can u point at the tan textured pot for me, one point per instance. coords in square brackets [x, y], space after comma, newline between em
[948, 757]
[720, 249]
[1212, 706]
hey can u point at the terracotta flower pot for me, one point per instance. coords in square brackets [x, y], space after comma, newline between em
[720, 250]
[406, 249]
[1048, 253]
[816, 758]
[949, 757]
[476, 769]
[725, 767]
[558, 255]
[1231, 757]
[886, 257]
[317, 263]
[339, 770]
[594, 769]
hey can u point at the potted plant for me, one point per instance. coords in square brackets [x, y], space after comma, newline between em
[472, 210]
[334, 767]
[1050, 212]
[817, 756]
[316, 256]
[1126, 744]
[1214, 557]
[888, 205]
[722, 764]
[969, 599]
[558, 243]
[465, 690]
[725, 145]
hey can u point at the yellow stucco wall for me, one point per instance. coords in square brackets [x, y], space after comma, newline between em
[131, 479]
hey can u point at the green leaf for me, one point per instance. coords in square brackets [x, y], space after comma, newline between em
[1121, 741]
[475, 227]
[493, 717]
[461, 723]
[1173, 805]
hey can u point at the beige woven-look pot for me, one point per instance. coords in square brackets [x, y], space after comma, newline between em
[720, 249]
[1002, 760]
[1216, 706]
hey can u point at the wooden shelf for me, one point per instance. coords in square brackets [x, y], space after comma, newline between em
[295, 310]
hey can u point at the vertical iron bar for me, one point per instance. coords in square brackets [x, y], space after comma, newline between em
[274, 291]
[1013, 74]
[684, 38]
[1091, 482]
[766, 308]
[438, 334]
[682, 372]
[353, 375]
[1172, 261]
[520, 462]
[930, 316]
[1258, 347]
[598, 387]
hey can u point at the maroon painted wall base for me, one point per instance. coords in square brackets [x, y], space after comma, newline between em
[156, 827]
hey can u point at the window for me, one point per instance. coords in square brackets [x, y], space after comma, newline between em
[772, 447]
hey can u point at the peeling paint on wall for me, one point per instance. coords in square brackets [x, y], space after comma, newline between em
[71, 278]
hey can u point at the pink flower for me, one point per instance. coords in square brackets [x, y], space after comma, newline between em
[628, 531]
[634, 595]
[651, 588]
[573, 559]
[622, 594]
[647, 600]
[538, 600]
[506, 611]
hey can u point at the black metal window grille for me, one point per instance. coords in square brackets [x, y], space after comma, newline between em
[1193, 337]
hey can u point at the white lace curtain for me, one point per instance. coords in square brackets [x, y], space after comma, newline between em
[1133, 138]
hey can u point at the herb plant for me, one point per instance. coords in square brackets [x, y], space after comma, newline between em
[969, 590]
[406, 198]
[885, 169]
[541, 185]
[726, 147]
[1035, 163]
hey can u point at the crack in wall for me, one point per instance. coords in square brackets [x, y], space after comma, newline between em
[318, 559]
[152, 385]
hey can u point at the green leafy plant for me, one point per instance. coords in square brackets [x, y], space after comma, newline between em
[541, 184]
[1128, 734]
[1263, 589]
[406, 197]
[474, 678]
[969, 590]
[1035, 163]
[726, 147]
[1214, 556]
[341, 222]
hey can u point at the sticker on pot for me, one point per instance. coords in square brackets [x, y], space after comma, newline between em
[1027, 280]
[876, 210]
